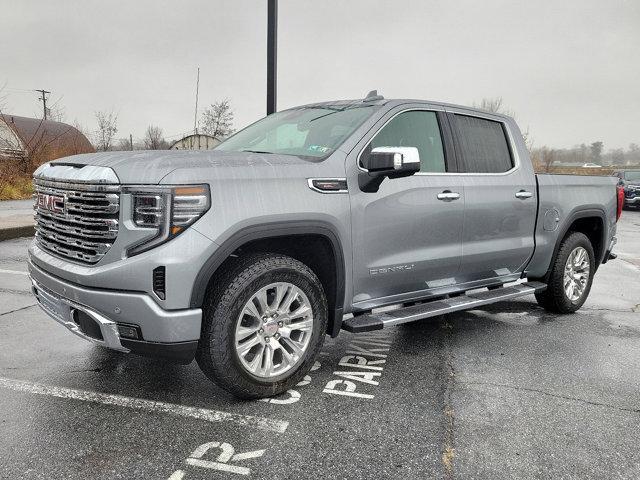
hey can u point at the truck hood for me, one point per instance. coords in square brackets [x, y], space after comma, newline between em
[150, 167]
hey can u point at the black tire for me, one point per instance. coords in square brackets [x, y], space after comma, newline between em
[216, 353]
[554, 298]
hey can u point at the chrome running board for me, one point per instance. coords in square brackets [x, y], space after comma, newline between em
[378, 321]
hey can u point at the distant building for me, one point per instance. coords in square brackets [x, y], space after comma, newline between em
[39, 140]
[197, 141]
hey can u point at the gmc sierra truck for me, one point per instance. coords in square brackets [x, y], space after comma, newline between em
[307, 222]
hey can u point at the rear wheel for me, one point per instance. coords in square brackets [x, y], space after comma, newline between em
[571, 276]
[263, 326]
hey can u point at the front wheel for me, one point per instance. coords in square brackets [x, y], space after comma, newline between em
[263, 326]
[571, 276]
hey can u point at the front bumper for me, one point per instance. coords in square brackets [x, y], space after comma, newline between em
[632, 200]
[165, 333]
[65, 312]
[181, 257]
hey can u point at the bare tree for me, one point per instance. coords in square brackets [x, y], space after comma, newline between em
[633, 157]
[153, 139]
[528, 139]
[548, 157]
[493, 105]
[217, 120]
[583, 153]
[123, 144]
[596, 151]
[616, 156]
[107, 129]
[81, 128]
[57, 113]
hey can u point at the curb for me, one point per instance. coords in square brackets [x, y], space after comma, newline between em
[17, 232]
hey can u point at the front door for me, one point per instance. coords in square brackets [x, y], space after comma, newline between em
[407, 236]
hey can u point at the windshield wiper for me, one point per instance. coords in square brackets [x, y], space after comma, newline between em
[257, 151]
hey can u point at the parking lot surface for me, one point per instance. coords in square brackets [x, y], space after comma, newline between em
[507, 391]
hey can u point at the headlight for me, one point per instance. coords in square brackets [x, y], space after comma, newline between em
[167, 211]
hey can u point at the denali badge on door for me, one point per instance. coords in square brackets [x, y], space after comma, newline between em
[53, 203]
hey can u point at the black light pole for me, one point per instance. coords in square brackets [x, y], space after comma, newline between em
[272, 58]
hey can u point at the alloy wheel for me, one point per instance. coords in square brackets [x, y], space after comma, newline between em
[273, 330]
[576, 274]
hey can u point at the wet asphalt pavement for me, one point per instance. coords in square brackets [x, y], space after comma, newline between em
[506, 391]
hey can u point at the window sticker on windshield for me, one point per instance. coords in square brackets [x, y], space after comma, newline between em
[318, 148]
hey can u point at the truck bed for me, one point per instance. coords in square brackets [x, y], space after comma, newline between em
[562, 200]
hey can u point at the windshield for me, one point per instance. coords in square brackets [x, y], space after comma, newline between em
[631, 176]
[305, 132]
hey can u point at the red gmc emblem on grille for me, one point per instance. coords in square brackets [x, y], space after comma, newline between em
[53, 203]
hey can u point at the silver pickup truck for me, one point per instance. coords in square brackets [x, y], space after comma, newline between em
[307, 222]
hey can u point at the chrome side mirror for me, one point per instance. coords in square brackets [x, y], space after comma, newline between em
[392, 162]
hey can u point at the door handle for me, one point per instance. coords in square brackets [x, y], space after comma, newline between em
[448, 195]
[523, 194]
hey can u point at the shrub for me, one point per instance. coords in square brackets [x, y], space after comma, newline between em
[14, 183]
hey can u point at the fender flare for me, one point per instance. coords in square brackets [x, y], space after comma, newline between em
[272, 230]
[577, 215]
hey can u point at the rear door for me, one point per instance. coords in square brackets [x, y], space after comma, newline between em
[407, 236]
[500, 196]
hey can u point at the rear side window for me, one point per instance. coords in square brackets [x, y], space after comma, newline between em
[482, 145]
[415, 128]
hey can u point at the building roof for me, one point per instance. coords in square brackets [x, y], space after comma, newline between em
[196, 140]
[58, 139]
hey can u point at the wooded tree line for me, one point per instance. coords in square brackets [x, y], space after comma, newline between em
[583, 154]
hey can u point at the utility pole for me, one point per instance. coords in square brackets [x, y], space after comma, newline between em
[272, 57]
[131, 141]
[44, 101]
[195, 115]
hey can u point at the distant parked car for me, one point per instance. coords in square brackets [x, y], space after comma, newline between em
[630, 181]
[591, 165]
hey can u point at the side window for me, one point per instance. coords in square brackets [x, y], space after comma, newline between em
[482, 145]
[416, 128]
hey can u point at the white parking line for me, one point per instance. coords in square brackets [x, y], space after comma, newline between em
[13, 272]
[259, 423]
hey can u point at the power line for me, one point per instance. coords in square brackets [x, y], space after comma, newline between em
[16, 90]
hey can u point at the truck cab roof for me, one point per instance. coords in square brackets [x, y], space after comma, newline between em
[393, 102]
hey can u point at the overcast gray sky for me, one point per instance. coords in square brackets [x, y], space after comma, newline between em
[569, 70]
